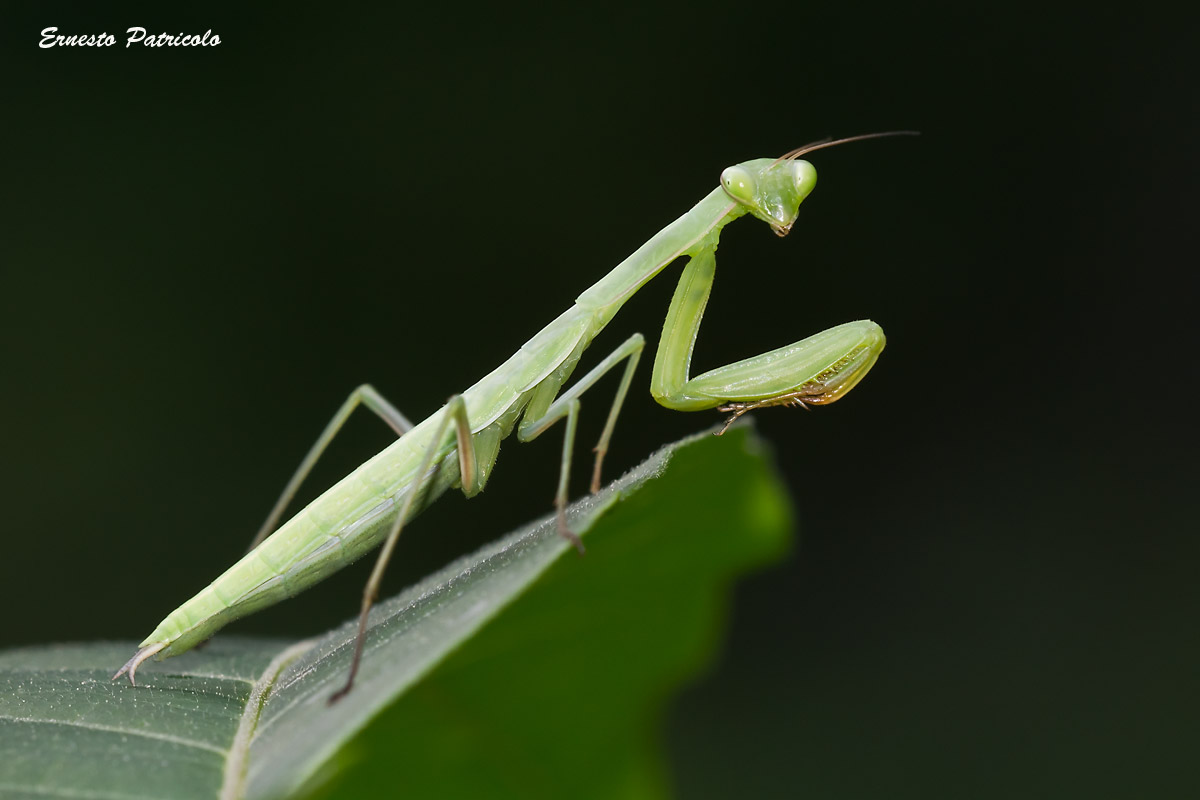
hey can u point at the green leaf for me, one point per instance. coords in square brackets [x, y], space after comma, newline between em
[519, 671]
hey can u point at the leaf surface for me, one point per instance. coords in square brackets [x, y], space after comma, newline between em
[521, 670]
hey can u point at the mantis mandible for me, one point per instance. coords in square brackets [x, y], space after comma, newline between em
[457, 446]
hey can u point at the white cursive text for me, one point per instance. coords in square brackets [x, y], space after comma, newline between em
[52, 38]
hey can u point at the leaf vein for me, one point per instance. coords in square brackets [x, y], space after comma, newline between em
[91, 726]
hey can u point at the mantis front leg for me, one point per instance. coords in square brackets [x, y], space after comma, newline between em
[816, 370]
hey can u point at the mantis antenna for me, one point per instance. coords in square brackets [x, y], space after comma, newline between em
[821, 144]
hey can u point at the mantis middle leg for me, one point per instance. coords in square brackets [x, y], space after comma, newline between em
[473, 474]
[544, 410]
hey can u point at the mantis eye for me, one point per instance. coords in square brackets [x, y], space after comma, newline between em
[805, 176]
[738, 184]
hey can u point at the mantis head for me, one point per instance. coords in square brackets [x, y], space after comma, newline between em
[773, 190]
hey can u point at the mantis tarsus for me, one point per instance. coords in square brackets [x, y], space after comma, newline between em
[457, 446]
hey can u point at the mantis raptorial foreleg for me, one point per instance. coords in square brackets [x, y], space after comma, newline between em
[473, 478]
[815, 370]
[364, 395]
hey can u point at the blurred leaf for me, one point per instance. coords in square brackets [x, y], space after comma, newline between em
[519, 671]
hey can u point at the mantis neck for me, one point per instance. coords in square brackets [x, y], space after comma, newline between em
[694, 231]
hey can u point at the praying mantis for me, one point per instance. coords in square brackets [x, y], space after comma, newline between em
[457, 446]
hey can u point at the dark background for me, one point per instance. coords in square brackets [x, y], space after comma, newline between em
[204, 249]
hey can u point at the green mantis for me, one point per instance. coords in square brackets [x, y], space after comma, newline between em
[457, 446]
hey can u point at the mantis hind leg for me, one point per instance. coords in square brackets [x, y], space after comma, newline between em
[817, 370]
[364, 395]
[473, 476]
